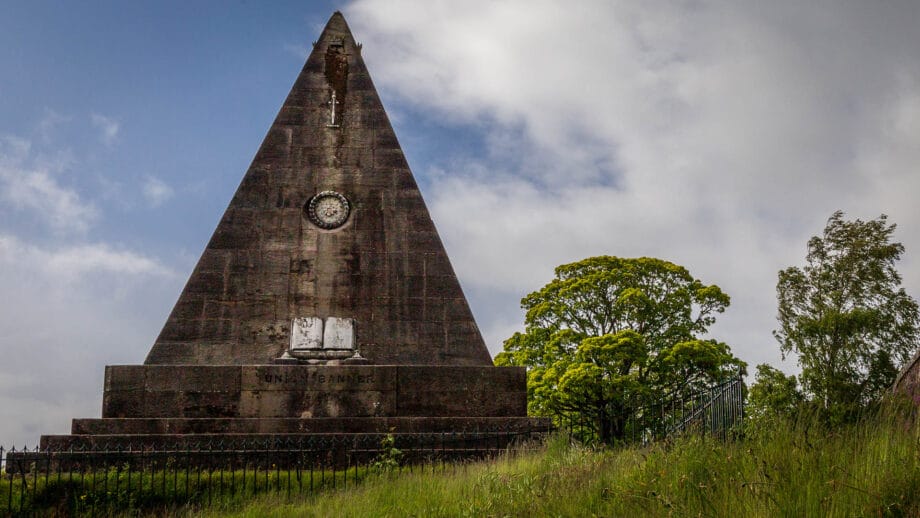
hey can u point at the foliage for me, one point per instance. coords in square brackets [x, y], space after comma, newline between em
[801, 468]
[846, 316]
[390, 457]
[773, 395]
[610, 334]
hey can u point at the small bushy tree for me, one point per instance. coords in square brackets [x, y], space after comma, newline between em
[846, 316]
[609, 334]
[773, 395]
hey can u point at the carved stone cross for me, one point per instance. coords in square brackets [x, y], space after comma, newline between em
[332, 103]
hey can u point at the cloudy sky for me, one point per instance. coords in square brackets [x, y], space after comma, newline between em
[718, 135]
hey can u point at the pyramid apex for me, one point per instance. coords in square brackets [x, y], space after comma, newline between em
[336, 28]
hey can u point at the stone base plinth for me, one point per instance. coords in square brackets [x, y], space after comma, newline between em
[289, 411]
[308, 391]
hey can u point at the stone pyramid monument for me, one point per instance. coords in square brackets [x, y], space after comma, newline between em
[324, 301]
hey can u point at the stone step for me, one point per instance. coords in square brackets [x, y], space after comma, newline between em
[500, 435]
[342, 425]
[153, 452]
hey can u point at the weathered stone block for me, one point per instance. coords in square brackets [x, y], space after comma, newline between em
[191, 404]
[171, 352]
[124, 377]
[216, 378]
[191, 308]
[206, 283]
[124, 403]
[314, 404]
[213, 260]
[462, 403]
[180, 330]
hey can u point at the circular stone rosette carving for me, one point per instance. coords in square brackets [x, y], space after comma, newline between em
[328, 210]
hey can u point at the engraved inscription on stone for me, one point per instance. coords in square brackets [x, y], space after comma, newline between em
[339, 333]
[307, 333]
[305, 379]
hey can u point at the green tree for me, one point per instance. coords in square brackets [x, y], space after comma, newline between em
[846, 316]
[609, 334]
[772, 395]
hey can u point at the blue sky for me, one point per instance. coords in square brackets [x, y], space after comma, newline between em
[190, 87]
[718, 135]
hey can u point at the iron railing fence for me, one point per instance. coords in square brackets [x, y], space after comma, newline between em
[716, 411]
[128, 478]
[120, 478]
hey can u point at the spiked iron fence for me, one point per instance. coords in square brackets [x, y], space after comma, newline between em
[716, 411]
[221, 473]
[122, 478]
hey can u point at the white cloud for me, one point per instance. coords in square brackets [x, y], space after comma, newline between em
[69, 308]
[108, 128]
[49, 122]
[14, 149]
[719, 135]
[73, 262]
[71, 303]
[27, 184]
[67, 311]
[156, 191]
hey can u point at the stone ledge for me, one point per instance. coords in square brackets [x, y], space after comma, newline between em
[275, 450]
[166, 426]
[275, 441]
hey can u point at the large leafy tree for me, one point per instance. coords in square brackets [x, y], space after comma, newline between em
[609, 334]
[846, 316]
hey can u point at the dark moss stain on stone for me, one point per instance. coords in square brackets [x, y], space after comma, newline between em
[353, 263]
[337, 73]
[337, 68]
[279, 201]
[304, 266]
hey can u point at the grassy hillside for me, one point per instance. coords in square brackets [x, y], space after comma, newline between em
[789, 469]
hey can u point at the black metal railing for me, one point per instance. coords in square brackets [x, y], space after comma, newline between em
[117, 479]
[717, 411]
[183, 472]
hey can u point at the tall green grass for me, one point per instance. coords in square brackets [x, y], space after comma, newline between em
[779, 468]
[784, 468]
